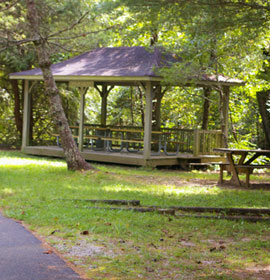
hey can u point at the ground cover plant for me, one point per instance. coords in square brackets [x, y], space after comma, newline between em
[115, 244]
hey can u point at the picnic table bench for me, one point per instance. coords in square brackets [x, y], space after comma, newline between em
[244, 164]
[126, 138]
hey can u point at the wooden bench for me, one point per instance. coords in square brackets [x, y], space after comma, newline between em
[241, 169]
[58, 138]
[200, 165]
[177, 143]
[162, 144]
[123, 142]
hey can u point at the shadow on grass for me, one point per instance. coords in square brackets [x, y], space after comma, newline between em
[35, 179]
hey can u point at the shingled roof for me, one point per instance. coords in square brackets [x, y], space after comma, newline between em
[103, 64]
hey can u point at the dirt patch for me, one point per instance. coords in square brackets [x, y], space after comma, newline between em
[189, 182]
[82, 248]
[169, 181]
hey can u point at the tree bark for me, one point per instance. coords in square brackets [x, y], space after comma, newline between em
[73, 157]
[206, 106]
[263, 98]
[17, 106]
[224, 112]
[157, 109]
[141, 106]
[131, 106]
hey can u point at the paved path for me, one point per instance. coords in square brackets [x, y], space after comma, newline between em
[22, 256]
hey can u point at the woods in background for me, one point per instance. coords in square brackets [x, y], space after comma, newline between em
[213, 36]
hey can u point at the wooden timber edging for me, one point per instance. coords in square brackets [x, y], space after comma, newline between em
[166, 211]
[243, 211]
[258, 211]
[107, 201]
[226, 213]
[231, 218]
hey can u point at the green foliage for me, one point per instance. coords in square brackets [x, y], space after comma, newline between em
[8, 133]
[211, 37]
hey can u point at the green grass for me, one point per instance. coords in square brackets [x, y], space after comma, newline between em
[136, 245]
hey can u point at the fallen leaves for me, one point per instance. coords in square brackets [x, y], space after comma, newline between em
[47, 252]
[85, 232]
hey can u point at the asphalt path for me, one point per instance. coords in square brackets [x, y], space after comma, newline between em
[22, 256]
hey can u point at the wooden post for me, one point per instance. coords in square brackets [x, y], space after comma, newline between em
[196, 145]
[148, 120]
[81, 125]
[104, 95]
[26, 115]
[225, 113]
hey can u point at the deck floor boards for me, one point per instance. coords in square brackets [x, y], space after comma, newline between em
[122, 157]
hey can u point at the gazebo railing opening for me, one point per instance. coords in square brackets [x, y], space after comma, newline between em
[169, 141]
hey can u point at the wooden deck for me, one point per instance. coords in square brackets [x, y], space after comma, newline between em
[136, 159]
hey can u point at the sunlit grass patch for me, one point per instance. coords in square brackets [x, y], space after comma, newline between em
[134, 245]
[22, 162]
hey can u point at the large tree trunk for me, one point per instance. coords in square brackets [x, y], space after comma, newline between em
[73, 157]
[17, 106]
[263, 98]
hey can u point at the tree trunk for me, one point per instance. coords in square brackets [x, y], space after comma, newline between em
[206, 106]
[74, 159]
[17, 106]
[263, 98]
[141, 106]
[157, 107]
[131, 106]
[224, 112]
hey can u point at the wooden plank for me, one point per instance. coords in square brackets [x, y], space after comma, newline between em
[81, 125]
[135, 159]
[148, 120]
[81, 84]
[106, 201]
[26, 115]
[239, 151]
[196, 143]
[253, 166]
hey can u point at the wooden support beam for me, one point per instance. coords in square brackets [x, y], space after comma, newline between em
[26, 115]
[104, 96]
[83, 91]
[148, 120]
[196, 145]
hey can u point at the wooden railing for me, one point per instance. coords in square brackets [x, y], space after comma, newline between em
[192, 141]
[186, 136]
[207, 140]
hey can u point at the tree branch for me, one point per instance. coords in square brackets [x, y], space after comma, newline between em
[61, 47]
[8, 6]
[238, 4]
[81, 34]
[77, 22]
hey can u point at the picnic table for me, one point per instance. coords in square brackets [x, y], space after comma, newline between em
[241, 161]
[117, 139]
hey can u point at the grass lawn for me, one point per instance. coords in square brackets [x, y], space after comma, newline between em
[115, 244]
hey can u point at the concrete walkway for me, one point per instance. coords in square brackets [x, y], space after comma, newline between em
[22, 256]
